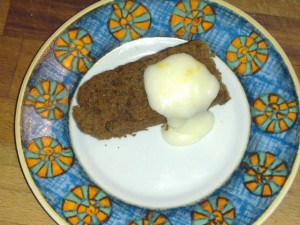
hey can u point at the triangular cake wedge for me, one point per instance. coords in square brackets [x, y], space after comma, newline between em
[114, 103]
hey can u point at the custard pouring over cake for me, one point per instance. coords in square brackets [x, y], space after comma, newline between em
[181, 89]
[115, 103]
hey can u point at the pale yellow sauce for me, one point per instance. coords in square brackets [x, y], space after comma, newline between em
[182, 89]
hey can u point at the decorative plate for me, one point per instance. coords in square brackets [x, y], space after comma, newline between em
[47, 158]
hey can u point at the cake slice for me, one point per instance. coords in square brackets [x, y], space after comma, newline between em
[114, 103]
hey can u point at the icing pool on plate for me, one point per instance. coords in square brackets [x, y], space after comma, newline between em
[146, 171]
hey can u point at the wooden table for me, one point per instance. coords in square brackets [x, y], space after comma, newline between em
[25, 25]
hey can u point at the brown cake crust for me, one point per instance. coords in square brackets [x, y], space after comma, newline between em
[114, 103]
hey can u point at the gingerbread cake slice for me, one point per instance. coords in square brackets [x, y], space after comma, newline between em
[114, 103]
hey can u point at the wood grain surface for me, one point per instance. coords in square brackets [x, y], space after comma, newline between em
[24, 27]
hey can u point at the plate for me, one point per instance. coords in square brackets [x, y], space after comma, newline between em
[46, 155]
[181, 175]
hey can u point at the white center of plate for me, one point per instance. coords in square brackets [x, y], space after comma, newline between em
[146, 171]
